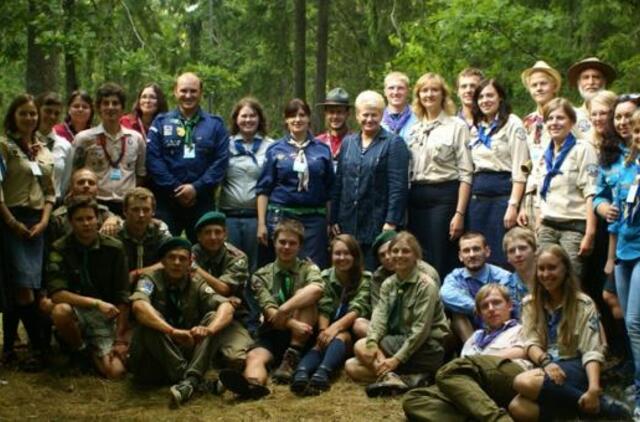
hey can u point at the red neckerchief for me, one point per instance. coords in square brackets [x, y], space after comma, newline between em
[102, 141]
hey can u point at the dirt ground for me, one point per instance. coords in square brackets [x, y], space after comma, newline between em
[56, 395]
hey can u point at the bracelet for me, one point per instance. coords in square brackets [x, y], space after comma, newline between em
[546, 360]
[461, 214]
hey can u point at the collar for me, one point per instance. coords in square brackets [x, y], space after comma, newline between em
[94, 246]
[215, 258]
[101, 130]
[148, 232]
[482, 275]
[182, 285]
[239, 137]
[412, 278]
[293, 270]
[198, 113]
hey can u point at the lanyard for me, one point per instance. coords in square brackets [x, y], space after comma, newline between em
[102, 141]
[143, 130]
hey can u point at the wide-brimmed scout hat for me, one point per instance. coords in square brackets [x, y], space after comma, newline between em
[590, 63]
[336, 97]
[541, 66]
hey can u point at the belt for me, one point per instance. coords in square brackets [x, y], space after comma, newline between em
[579, 226]
[298, 210]
[240, 212]
[489, 197]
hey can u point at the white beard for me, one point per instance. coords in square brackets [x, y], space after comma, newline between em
[587, 96]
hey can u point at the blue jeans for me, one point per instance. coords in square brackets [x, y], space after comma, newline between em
[242, 233]
[628, 287]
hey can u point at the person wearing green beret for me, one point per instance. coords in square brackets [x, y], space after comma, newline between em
[182, 324]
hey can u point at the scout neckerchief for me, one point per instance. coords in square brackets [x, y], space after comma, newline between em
[535, 121]
[29, 149]
[189, 125]
[345, 292]
[396, 121]
[174, 296]
[553, 324]
[485, 337]
[300, 164]
[102, 141]
[553, 166]
[429, 127]
[395, 315]
[241, 150]
[484, 135]
[286, 286]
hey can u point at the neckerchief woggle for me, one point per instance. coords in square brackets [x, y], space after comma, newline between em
[553, 166]
[485, 337]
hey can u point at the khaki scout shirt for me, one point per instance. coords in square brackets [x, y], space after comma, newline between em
[381, 274]
[230, 265]
[144, 252]
[101, 273]
[585, 341]
[439, 151]
[508, 151]
[568, 191]
[19, 187]
[59, 222]
[87, 152]
[421, 313]
[266, 281]
[195, 299]
[357, 300]
[583, 128]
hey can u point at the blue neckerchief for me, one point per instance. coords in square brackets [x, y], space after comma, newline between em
[485, 338]
[255, 146]
[396, 121]
[553, 322]
[484, 137]
[553, 167]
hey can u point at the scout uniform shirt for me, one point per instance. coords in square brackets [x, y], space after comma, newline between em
[508, 150]
[568, 190]
[230, 265]
[338, 300]
[59, 221]
[143, 253]
[182, 305]
[117, 160]
[484, 342]
[583, 128]
[411, 308]
[61, 150]
[98, 271]
[273, 286]
[26, 177]
[585, 339]
[439, 151]
[381, 274]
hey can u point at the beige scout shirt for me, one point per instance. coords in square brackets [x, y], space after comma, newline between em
[568, 191]
[583, 128]
[20, 187]
[113, 183]
[508, 151]
[439, 151]
[585, 341]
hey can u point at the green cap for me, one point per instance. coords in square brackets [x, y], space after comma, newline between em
[211, 217]
[173, 243]
[383, 238]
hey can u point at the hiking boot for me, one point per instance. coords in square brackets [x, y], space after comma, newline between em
[300, 382]
[390, 384]
[181, 392]
[243, 388]
[289, 363]
[214, 387]
[320, 380]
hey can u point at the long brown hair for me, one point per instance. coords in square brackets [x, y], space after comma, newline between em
[540, 298]
[355, 273]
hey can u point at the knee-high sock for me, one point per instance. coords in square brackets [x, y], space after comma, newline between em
[310, 362]
[334, 355]
[30, 316]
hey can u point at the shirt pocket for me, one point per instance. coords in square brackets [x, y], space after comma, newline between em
[443, 151]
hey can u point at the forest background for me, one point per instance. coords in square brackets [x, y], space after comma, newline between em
[279, 49]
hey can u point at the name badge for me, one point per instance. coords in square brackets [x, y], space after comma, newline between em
[116, 174]
[167, 130]
[35, 168]
[189, 152]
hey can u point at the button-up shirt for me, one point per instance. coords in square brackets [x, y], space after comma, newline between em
[412, 308]
[100, 151]
[229, 264]
[460, 287]
[61, 150]
[144, 252]
[381, 274]
[439, 151]
[508, 150]
[627, 225]
[337, 302]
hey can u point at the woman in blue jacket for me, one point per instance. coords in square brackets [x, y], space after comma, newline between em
[371, 188]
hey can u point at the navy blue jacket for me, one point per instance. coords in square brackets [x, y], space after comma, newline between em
[165, 152]
[280, 182]
[372, 186]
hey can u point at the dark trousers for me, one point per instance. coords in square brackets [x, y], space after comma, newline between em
[179, 218]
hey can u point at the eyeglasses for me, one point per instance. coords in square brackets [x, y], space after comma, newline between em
[633, 97]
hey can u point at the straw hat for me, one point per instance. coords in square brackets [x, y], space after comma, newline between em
[590, 63]
[541, 66]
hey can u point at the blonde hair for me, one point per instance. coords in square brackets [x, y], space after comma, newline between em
[369, 99]
[396, 76]
[633, 151]
[410, 240]
[447, 104]
[519, 233]
[486, 290]
[605, 97]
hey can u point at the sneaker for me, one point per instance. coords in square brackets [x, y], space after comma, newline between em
[243, 388]
[300, 382]
[181, 392]
[390, 384]
[320, 380]
[289, 363]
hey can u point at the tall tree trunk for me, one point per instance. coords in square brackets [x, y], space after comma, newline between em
[70, 75]
[321, 58]
[299, 49]
[42, 61]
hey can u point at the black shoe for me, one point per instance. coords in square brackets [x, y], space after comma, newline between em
[238, 384]
[320, 380]
[300, 382]
[181, 392]
[35, 362]
[389, 384]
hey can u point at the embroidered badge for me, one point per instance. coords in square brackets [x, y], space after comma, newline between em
[145, 286]
[592, 170]
[521, 134]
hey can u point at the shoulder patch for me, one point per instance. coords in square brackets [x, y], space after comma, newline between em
[145, 286]
[521, 134]
[592, 170]
[594, 323]
[584, 125]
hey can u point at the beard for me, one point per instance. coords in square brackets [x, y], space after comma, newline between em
[587, 95]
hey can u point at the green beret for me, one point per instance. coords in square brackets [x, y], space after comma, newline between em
[173, 243]
[382, 238]
[211, 217]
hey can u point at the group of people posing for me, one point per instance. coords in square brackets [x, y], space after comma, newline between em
[160, 243]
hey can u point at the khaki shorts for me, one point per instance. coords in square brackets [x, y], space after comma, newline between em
[98, 331]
